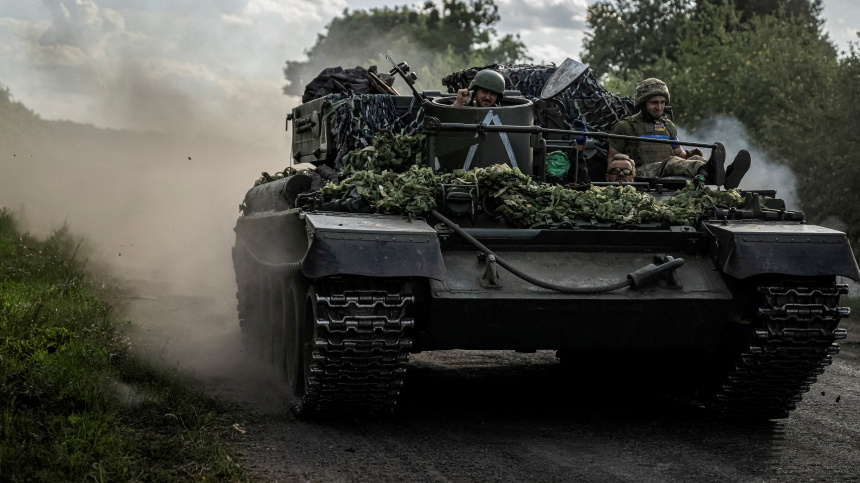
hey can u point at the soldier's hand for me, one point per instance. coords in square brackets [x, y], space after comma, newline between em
[462, 97]
[695, 152]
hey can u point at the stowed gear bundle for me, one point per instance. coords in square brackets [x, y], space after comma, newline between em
[586, 99]
[355, 118]
[409, 188]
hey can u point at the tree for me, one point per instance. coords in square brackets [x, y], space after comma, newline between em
[430, 39]
[832, 179]
[627, 35]
[760, 70]
[808, 11]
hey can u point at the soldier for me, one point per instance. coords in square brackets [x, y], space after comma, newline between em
[621, 169]
[488, 87]
[657, 159]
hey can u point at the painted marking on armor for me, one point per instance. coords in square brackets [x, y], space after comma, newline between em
[491, 119]
[470, 156]
[488, 119]
[506, 142]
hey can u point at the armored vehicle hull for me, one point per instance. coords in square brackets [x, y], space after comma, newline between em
[338, 301]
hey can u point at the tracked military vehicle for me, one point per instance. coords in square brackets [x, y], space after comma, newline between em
[337, 288]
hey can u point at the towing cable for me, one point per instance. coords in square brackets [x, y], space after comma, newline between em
[634, 279]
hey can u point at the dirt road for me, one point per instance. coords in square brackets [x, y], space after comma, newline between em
[502, 416]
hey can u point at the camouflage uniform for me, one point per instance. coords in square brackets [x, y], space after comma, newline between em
[673, 166]
[653, 160]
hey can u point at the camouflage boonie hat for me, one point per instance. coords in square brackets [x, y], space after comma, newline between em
[649, 88]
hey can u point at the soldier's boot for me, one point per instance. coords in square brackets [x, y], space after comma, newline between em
[716, 167]
[736, 171]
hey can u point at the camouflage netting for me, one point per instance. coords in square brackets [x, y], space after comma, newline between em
[586, 99]
[355, 118]
[410, 188]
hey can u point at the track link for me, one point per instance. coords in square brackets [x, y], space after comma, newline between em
[794, 345]
[360, 347]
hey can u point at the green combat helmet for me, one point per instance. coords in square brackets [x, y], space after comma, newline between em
[491, 81]
[648, 89]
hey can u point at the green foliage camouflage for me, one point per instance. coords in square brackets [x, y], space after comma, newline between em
[413, 191]
[524, 202]
[389, 151]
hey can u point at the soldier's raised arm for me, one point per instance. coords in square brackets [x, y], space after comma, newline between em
[462, 98]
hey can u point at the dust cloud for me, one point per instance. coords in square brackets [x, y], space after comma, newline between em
[157, 209]
[764, 173]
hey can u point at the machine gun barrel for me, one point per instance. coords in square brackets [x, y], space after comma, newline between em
[449, 126]
[409, 80]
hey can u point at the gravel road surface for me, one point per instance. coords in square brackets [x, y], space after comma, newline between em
[503, 416]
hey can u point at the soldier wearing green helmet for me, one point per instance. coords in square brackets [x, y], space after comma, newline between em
[487, 90]
[655, 160]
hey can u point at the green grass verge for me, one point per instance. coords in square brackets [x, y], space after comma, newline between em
[66, 374]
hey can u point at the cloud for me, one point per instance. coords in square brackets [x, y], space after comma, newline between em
[547, 53]
[533, 14]
[548, 44]
[170, 71]
[81, 23]
[236, 20]
[295, 11]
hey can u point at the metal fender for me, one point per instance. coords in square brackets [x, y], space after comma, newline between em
[743, 249]
[371, 245]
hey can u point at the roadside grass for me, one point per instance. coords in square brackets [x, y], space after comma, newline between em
[75, 404]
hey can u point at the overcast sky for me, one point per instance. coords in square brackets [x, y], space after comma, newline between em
[214, 66]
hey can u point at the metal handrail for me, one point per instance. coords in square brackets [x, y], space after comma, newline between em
[451, 126]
